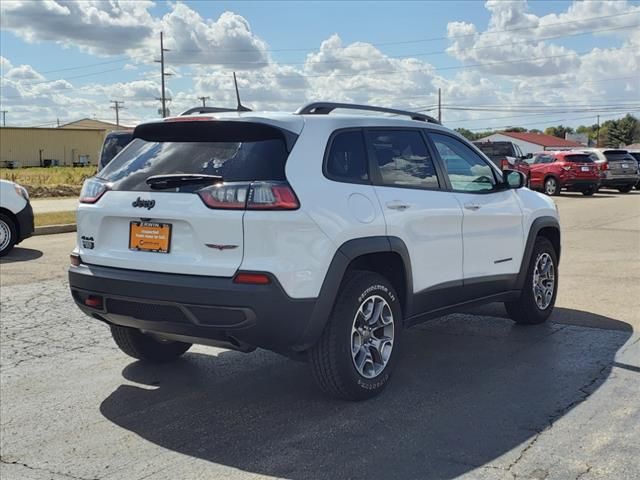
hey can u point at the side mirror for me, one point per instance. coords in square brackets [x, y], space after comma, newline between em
[529, 155]
[514, 179]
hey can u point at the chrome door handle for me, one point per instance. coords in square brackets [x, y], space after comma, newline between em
[397, 206]
[472, 206]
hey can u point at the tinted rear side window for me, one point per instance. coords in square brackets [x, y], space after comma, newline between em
[403, 159]
[578, 159]
[347, 158]
[495, 150]
[235, 152]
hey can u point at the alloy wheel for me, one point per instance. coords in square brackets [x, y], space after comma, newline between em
[544, 280]
[372, 336]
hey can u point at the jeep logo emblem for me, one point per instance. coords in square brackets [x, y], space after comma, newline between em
[139, 203]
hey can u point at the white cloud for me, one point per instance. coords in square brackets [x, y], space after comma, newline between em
[96, 26]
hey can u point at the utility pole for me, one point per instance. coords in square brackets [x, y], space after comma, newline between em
[4, 117]
[163, 99]
[440, 105]
[598, 133]
[204, 100]
[117, 106]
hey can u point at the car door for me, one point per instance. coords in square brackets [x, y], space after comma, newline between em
[493, 237]
[418, 209]
[539, 168]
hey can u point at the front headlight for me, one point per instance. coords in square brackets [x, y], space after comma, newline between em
[20, 190]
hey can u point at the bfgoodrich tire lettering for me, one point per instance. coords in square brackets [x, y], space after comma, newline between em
[529, 310]
[144, 347]
[332, 360]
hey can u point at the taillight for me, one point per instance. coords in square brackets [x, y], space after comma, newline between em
[604, 166]
[250, 196]
[567, 168]
[504, 164]
[92, 190]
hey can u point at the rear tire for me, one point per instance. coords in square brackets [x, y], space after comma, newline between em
[355, 355]
[8, 234]
[589, 191]
[144, 347]
[538, 296]
[625, 189]
[551, 186]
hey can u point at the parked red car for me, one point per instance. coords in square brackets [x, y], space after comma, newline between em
[574, 171]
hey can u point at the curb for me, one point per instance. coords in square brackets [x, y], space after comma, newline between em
[52, 229]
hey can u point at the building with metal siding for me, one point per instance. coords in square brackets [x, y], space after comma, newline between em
[30, 147]
[94, 124]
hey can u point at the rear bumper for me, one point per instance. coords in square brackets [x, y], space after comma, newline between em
[622, 181]
[212, 309]
[580, 183]
[25, 222]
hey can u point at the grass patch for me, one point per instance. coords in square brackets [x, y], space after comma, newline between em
[55, 218]
[49, 182]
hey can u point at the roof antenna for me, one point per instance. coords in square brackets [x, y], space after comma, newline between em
[240, 107]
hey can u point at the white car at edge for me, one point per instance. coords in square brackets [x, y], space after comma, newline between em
[16, 215]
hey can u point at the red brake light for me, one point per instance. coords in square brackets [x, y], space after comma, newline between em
[504, 164]
[92, 190]
[189, 119]
[250, 196]
[93, 301]
[252, 278]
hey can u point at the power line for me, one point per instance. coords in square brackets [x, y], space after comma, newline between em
[544, 122]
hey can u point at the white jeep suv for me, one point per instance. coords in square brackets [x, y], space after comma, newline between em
[309, 234]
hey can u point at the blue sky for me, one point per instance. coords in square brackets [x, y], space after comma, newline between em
[396, 53]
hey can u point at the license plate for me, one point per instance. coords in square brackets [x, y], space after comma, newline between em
[625, 165]
[150, 237]
[584, 169]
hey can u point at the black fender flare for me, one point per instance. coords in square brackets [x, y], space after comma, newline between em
[537, 225]
[345, 254]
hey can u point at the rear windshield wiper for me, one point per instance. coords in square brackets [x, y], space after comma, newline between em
[161, 182]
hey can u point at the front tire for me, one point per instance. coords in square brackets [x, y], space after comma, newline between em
[538, 295]
[8, 234]
[625, 189]
[145, 347]
[552, 186]
[355, 355]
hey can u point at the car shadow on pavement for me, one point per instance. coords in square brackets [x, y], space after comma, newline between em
[19, 254]
[468, 390]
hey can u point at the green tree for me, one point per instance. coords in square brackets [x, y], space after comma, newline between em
[558, 131]
[468, 134]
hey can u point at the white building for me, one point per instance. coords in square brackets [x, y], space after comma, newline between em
[533, 142]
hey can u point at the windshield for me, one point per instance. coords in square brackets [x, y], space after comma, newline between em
[256, 159]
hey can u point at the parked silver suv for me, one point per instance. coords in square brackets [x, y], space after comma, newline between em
[618, 168]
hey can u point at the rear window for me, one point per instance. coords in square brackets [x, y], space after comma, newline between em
[635, 155]
[240, 152]
[617, 155]
[578, 158]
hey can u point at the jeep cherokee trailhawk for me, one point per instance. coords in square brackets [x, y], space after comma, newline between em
[317, 236]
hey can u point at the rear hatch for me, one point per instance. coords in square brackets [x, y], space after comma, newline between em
[620, 163]
[173, 201]
[582, 166]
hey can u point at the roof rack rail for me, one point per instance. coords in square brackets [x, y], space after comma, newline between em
[213, 110]
[324, 108]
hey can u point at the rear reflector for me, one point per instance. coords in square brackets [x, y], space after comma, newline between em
[252, 279]
[93, 301]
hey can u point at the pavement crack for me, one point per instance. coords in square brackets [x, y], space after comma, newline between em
[584, 472]
[50, 472]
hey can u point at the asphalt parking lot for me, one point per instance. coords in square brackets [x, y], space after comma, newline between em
[474, 396]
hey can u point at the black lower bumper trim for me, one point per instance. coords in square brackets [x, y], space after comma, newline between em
[211, 308]
[25, 222]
